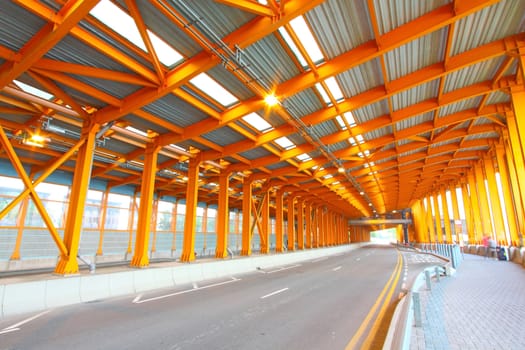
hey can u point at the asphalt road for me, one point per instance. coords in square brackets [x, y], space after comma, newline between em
[318, 304]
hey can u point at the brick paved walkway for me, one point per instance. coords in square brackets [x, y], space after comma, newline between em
[481, 307]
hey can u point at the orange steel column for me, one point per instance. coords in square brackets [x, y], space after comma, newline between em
[517, 154]
[324, 231]
[223, 216]
[331, 228]
[318, 226]
[518, 105]
[469, 214]
[102, 221]
[20, 220]
[279, 222]
[511, 207]
[190, 220]
[518, 199]
[419, 217]
[320, 238]
[154, 222]
[147, 187]
[437, 218]
[474, 205]
[446, 216]
[291, 223]
[265, 223]
[486, 218]
[67, 263]
[430, 221]
[308, 215]
[300, 224]
[455, 212]
[315, 228]
[247, 217]
[497, 210]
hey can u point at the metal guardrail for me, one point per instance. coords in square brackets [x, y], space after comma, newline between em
[408, 310]
[451, 251]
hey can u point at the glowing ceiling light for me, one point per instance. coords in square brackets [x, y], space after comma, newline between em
[271, 100]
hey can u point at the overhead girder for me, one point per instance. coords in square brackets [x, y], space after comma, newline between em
[242, 37]
[389, 89]
[66, 18]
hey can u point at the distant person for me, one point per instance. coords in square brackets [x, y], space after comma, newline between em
[492, 247]
[485, 243]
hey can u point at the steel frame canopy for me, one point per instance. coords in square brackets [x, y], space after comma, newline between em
[394, 100]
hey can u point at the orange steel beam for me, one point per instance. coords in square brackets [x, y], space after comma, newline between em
[249, 6]
[67, 17]
[141, 26]
[397, 116]
[29, 190]
[76, 84]
[243, 37]
[414, 29]
[46, 64]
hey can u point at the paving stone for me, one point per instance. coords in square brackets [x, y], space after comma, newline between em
[480, 307]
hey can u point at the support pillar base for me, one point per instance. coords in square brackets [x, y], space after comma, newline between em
[67, 265]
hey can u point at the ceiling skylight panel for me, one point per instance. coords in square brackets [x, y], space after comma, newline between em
[350, 120]
[136, 131]
[213, 89]
[122, 23]
[33, 90]
[285, 143]
[323, 93]
[304, 157]
[307, 39]
[334, 88]
[293, 47]
[341, 122]
[257, 122]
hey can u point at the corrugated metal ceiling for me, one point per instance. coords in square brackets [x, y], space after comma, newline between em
[414, 81]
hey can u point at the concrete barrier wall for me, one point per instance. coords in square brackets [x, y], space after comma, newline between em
[18, 298]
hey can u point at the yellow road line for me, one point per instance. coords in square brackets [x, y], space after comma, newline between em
[395, 276]
[373, 332]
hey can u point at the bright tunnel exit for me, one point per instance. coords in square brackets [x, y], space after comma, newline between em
[385, 236]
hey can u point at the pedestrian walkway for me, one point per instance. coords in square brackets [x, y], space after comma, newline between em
[482, 306]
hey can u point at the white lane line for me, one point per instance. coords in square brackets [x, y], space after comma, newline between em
[284, 268]
[138, 301]
[320, 259]
[16, 326]
[357, 259]
[273, 293]
[195, 285]
[4, 331]
[336, 268]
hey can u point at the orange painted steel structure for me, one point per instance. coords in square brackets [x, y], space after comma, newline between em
[414, 153]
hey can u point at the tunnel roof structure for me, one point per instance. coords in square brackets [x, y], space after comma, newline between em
[375, 103]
